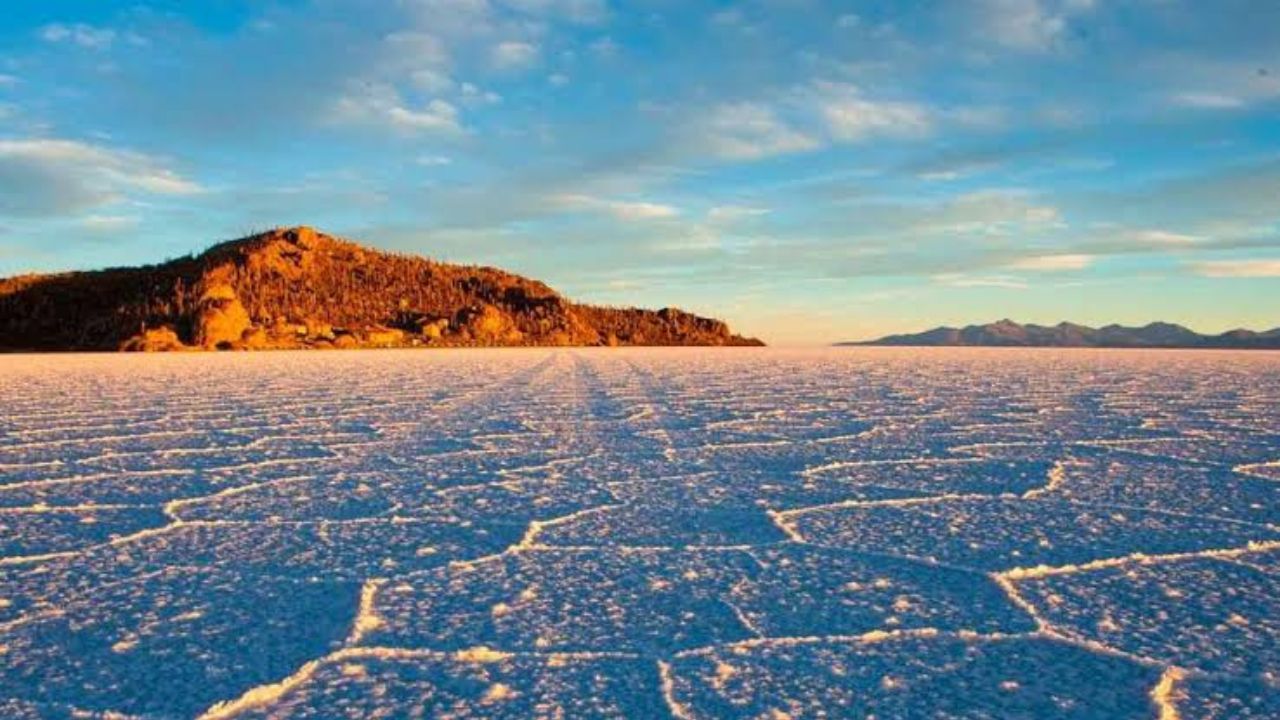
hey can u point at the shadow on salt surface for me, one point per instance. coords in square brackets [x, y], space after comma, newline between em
[475, 467]
[1199, 698]
[902, 677]
[728, 435]
[1225, 449]
[24, 710]
[70, 486]
[100, 442]
[173, 643]
[112, 489]
[657, 602]
[368, 495]
[1204, 613]
[748, 489]
[802, 590]
[797, 457]
[332, 497]
[334, 550]
[945, 477]
[605, 465]
[14, 709]
[1105, 477]
[1000, 533]
[514, 501]
[645, 602]
[40, 531]
[662, 526]
[264, 451]
[19, 595]
[384, 685]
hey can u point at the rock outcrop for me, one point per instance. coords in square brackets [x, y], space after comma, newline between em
[162, 339]
[221, 321]
[299, 288]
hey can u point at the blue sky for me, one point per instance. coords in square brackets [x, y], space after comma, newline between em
[810, 171]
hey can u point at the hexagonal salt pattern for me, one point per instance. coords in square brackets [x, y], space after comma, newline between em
[645, 533]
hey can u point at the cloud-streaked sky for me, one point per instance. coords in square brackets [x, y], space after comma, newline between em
[810, 171]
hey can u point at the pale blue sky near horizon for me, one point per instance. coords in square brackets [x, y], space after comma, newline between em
[810, 171]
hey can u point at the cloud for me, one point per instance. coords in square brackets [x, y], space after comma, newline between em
[1161, 238]
[414, 52]
[851, 117]
[50, 177]
[802, 118]
[1206, 83]
[1243, 192]
[514, 55]
[1029, 25]
[959, 280]
[1255, 268]
[86, 36]
[985, 213]
[109, 223]
[1207, 101]
[1053, 263]
[750, 131]
[605, 47]
[729, 214]
[382, 104]
[434, 115]
[627, 210]
[581, 12]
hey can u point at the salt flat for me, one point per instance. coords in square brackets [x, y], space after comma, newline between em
[641, 533]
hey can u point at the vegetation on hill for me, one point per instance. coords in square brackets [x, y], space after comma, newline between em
[297, 288]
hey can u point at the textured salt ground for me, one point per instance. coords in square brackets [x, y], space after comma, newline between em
[641, 533]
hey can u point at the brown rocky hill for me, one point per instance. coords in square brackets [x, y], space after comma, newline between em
[298, 288]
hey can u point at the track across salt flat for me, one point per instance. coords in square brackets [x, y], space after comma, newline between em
[684, 533]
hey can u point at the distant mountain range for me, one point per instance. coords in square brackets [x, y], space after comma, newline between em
[298, 288]
[1007, 333]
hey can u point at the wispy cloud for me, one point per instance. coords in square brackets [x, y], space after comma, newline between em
[805, 117]
[959, 280]
[1030, 25]
[514, 55]
[85, 36]
[627, 210]
[384, 105]
[1162, 238]
[1209, 84]
[1052, 263]
[850, 116]
[728, 214]
[1207, 101]
[1254, 268]
[109, 223]
[581, 12]
[750, 131]
[42, 176]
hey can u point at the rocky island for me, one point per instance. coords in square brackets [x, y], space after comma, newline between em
[296, 288]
